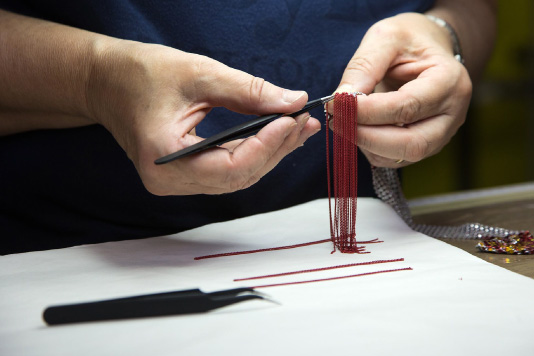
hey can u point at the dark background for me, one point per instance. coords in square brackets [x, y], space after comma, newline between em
[495, 146]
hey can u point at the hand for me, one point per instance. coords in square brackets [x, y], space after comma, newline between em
[421, 93]
[151, 97]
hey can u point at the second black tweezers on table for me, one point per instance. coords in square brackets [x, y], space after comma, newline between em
[170, 303]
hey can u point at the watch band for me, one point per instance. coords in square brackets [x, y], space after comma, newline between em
[457, 49]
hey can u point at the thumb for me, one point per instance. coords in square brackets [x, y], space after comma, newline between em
[244, 93]
[370, 63]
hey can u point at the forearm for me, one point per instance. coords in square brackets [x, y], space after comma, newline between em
[475, 24]
[44, 71]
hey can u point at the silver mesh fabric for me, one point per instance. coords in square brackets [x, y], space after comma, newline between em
[388, 188]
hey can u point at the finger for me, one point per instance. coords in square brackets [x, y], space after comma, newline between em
[225, 171]
[379, 161]
[306, 127]
[411, 143]
[415, 100]
[238, 91]
[297, 139]
[370, 63]
[389, 46]
[298, 132]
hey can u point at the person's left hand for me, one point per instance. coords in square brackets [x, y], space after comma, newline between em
[420, 92]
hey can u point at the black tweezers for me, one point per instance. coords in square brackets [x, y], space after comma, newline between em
[246, 129]
[170, 303]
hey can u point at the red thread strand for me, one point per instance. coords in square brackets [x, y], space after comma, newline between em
[226, 254]
[332, 278]
[318, 269]
[261, 250]
[342, 174]
[373, 241]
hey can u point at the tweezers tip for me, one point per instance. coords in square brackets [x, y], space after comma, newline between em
[271, 300]
[326, 99]
[263, 296]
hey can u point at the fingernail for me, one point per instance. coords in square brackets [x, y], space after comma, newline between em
[303, 120]
[290, 96]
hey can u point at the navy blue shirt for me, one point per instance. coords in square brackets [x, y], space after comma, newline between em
[66, 187]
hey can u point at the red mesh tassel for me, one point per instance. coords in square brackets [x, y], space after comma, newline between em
[343, 173]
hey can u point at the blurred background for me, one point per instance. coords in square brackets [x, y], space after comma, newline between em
[495, 147]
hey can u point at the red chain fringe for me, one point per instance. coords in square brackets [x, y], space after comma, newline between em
[342, 173]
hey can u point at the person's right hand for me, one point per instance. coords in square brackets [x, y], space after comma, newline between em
[151, 97]
[419, 92]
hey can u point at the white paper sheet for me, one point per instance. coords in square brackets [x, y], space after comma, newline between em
[451, 303]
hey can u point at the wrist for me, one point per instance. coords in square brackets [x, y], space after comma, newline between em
[105, 88]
